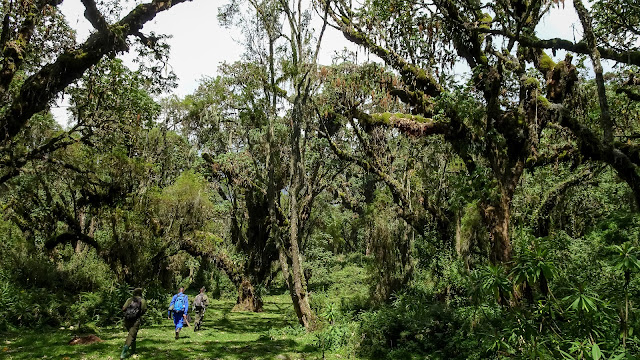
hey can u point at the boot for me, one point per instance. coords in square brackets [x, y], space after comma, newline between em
[125, 351]
[133, 347]
[177, 334]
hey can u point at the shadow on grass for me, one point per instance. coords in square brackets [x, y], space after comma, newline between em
[54, 346]
[52, 343]
[235, 323]
[225, 335]
[258, 349]
[243, 324]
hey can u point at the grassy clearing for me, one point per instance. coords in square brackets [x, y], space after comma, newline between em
[272, 334]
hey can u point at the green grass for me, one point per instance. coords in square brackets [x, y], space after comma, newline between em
[272, 334]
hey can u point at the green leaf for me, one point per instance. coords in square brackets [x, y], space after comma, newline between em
[595, 352]
[576, 304]
[566, 355]
[617, 357]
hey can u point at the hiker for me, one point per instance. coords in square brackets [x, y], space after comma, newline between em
[179, 306]
[200, 303]
[133, 310]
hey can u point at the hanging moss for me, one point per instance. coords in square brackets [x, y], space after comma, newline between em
[485, 21]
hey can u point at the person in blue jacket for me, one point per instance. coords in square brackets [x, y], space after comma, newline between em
[179, 306]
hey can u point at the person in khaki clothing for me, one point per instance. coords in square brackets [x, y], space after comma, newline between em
[133, 310]
[200, 303]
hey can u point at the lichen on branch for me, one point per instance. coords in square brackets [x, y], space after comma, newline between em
[411, 125]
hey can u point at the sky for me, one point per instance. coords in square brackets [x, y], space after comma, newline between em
[199, 44]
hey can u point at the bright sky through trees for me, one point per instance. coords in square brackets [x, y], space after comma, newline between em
[199, 44]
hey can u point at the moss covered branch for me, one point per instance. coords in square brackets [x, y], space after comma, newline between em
[630, 150]
[68, 238]
[632, 95]
[14, 47]
[593, 148]
[411, 125]
[414, 76]
[563, 154]
[631, 57]
[41, 88]
[541, 219]
[220, 260]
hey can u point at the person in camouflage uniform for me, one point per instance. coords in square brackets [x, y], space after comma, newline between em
[133, 310]
[201, 302]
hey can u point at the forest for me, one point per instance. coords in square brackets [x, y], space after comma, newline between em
[470, 190]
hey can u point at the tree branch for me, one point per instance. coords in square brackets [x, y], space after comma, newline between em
[94, 16]
[605, 115]
[66, 238]
[541, 218]
[417, 78]
[220, 260]
[411, 125]
[631, 57]
[562, 154]
[13, 53]
[593, 148]
[633, 96]
[53, 144]
[396, 188]
[41, 88]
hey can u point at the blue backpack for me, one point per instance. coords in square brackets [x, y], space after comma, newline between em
[178, 305]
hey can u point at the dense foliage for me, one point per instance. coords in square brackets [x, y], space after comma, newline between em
[468, 196]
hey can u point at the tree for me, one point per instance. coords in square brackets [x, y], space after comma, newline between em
[498, 119]
[118, 171]
[226, 120]
[30, 79]
[285, 38]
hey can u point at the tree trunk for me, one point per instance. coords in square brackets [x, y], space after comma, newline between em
[501, 246]
[284, 263]
[298, 291]
[297, 285]
[497, 213]
[248, 300]
[497, 216]
[297, 282]
[462, 244]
